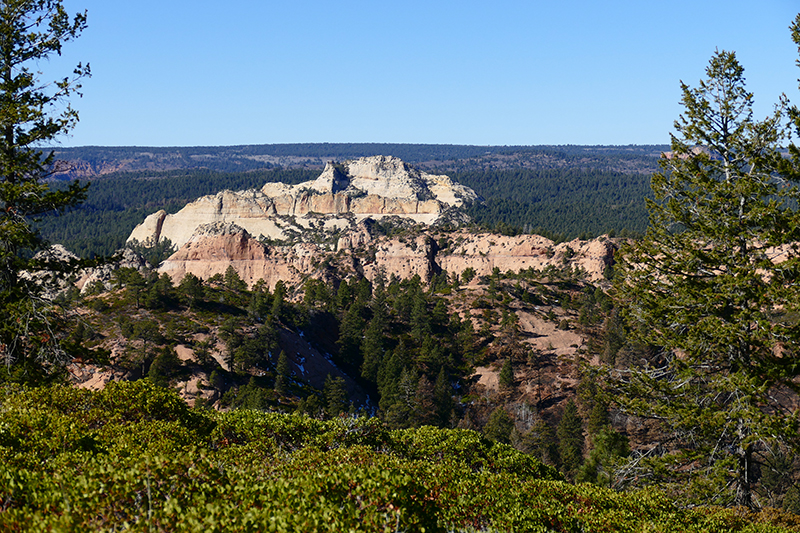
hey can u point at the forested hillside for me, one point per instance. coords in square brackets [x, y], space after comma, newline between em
[98, 160]
[561, 204]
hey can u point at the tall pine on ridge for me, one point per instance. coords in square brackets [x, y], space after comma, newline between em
[714, 286]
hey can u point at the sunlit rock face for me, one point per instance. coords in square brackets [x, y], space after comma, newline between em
[343, 195]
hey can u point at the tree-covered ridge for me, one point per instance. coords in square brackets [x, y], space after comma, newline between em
[400, 350]
[134, 456]
[92, 160]
[557, 203]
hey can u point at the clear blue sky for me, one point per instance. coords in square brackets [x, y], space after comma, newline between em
[527, 72]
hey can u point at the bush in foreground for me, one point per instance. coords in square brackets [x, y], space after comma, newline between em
[135, 457]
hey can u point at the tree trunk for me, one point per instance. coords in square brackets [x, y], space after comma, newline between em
[745, 453]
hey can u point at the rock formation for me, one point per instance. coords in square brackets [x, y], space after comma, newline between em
[343, 195]
[215, 247]
[328, 228]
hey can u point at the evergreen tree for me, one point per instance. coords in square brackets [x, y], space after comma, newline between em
[373, 344]
[33, 113]
[541, 442]
[191, 290]
[282, 373]
[499, 426]
[351, 331]
[148, 332]
[399, 405]
[135, 284]
[570, 440]
[278, 297]
[202, 353]
[335, 391]
[424, 403]
[608, 447]
[233, 282]
[506, 377]
[704, 287]
[164, 366]
[443, 398]
[420, 319]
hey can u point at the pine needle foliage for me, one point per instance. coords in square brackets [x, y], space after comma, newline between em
[713, 285]
[32, 113]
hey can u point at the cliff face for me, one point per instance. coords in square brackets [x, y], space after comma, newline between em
[342, 196]
[215, 247]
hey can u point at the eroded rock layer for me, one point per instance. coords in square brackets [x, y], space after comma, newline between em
[343, 195]
[216, 247]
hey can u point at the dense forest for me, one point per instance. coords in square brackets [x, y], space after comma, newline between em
[92, 160]
[559, 204]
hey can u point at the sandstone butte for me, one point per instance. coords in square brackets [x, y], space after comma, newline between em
[328, 225]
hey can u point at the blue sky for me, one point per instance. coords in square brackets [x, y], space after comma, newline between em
[189, 73]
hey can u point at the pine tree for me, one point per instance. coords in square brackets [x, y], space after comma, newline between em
[373, 344]
[506, 377]
[424, 413]
[443, 398]
[351, 331]
[164, 366]
[33, 113]
[191, 290]
[335, 391]
[541, 442]
[713, 285]
[609, 447]
[278, 308]
[233, 282]
[499, 426]
[282, 373]
[570, 440]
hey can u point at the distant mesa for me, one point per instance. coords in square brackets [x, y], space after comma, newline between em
[343, 195]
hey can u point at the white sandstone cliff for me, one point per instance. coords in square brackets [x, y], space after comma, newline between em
[343, 195]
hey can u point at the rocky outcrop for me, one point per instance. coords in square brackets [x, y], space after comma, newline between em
[485, 252]
[342, 196]
[215, 247]
[63, 271]
[334, 227]
[101, 277]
